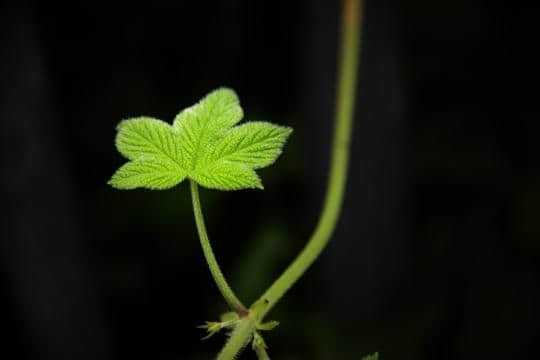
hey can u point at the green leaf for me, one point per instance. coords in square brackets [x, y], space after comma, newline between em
[223, 175]
[154, 148]
[200, 125]
[144, 136]
[202, 144]
[255, 144]
[152, 173]
[371, 357]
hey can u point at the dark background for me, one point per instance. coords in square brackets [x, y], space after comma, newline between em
[435, 255]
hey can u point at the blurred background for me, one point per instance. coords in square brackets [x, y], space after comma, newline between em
[436, 253]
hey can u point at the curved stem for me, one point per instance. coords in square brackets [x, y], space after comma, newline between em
[221, 283]
[351, 22]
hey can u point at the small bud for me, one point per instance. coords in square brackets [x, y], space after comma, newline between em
[229, 316]
[212, 327]
[268, 325]
[258, 341]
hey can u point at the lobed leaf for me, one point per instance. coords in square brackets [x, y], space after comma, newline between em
[144, 137]
[255, 144]
[204, 122]
[202, 144]
[224, 175]
[150, 173]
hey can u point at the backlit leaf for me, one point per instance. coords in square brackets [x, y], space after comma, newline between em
[144, 136]
[200, 125]
[202, 144]
[255, 144]
[223, 175]
[151, 173]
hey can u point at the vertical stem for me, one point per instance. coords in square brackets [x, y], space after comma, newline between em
[239, 338]
[219, 279]
[348, 63]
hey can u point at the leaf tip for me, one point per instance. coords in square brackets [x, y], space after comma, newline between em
[257, 183]
[287, 131]
[114, 183]
[225, 90]
[122, 124]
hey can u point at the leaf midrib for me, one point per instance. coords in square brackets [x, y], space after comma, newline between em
[203, 133]
[135, 130]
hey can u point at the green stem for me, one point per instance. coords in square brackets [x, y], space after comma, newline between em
[351, 22]
[348, 63]
[261, 353]
[239, 338]
[221, 283]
